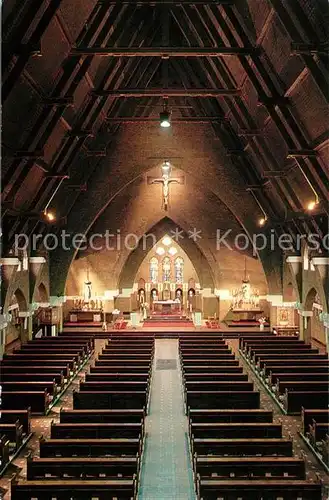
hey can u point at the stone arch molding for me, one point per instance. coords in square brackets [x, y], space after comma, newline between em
[159, 230]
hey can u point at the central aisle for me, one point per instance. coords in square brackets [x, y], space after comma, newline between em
[166, 467]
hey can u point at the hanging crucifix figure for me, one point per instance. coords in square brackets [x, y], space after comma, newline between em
[165, 180]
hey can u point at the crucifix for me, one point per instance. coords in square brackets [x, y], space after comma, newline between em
[165, 180]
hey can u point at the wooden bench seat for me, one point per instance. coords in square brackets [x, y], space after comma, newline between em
[31, 385]
[57, 378]
[118, 489]
[114, 385]
[207, 359]
[271, 489]
[79, 467]
[119, 377]
[11, 416]
[117, 348]
[220, 365]
[302, 385]
[120, 355]
[215, 377]
[292, 364]
[13, 433]
[213, 415]
[293, 401]
[318, 432]
[223, 348]
[210, 385]
[21, 400]
[50, 350]
[38, 369]
[243, 447]
[222, 399]
[275, 376]
[278, 353]
[221, 370]
[235, 430]
[99, 430]
[123, 362]
[247, 339]
[251, 467]
[308, 415]
[107, 399]
[4, 453]
[95, 416]
[34, 360]
[287, 359]
[89, 447]
[107, 368]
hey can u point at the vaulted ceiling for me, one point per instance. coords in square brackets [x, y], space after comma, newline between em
[77, 73]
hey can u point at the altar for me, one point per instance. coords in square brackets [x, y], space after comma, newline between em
[166, 307]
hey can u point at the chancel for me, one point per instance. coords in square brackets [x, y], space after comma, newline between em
[164, 319]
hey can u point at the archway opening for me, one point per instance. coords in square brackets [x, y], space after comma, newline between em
[17, 329]
[314, 330]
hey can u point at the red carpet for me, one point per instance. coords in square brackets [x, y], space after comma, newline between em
[169, 324]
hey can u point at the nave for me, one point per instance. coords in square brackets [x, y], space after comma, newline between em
[167, 469]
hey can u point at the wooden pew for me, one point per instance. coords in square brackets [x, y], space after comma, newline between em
[118, 489]
[243, 447]
[11, 416]
[215, 377]
[123, 363]
[292, 364]
[308, 415]
[109, 368]
[13, 433]
[78, 467]
[50, 350]
[318, 432]
[221, 349]
[293, 401]
[235, 430]
[31, 385]
[95, 416]
[246, 339]
[4, 453]
[213, 415]
[222, 399]
[90, 447]
[117, 349]
[212, 362]
[289, 358]
[288, 375]
[99, 430]
[106, 400]
[301, 385]
[119, 377]
[35, 360]
[249, 467]
[212, 385]
[50, 378]
[259, 355]
[114, 385]
[221, 365]
[38, 369]
[125, 357]
[210, 359]
[225, 369]
[21, 400]
[259, 489]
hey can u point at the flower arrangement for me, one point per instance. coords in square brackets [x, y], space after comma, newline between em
[262, 320]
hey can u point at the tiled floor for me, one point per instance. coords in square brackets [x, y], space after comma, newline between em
[166, 470]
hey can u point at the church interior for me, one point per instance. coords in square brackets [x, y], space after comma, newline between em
[164, 269]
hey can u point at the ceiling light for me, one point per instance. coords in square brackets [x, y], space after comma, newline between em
[172, 251]
[166, 241]
[50, 216]
[165, 118]
[311, 205]
[160, 251]
[262, 221]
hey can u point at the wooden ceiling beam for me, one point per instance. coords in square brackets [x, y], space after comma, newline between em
[163, 52]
